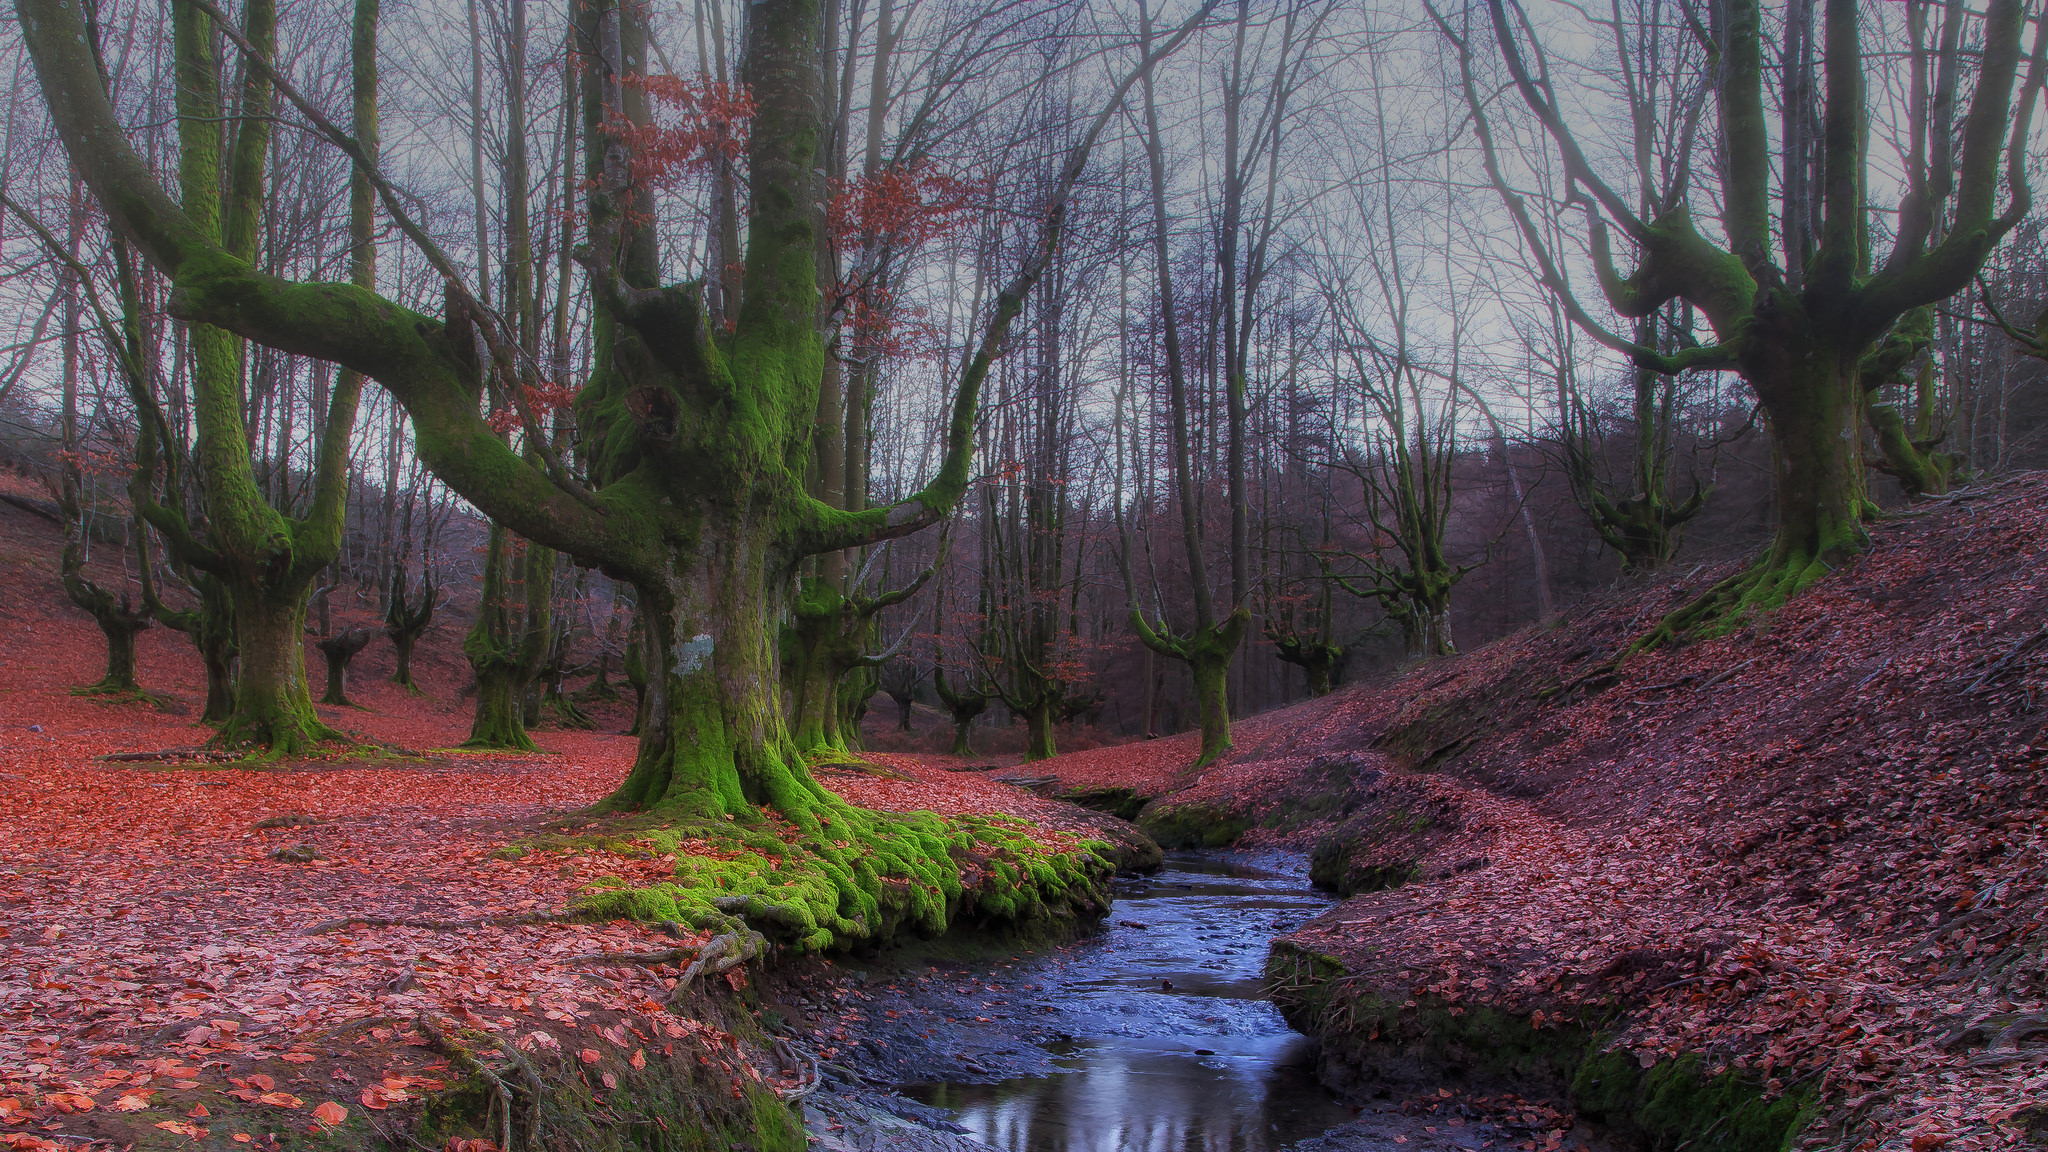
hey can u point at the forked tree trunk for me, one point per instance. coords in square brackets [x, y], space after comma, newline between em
[1039, 741]
[340, 650]
[273, 701]
[120, 629]
[714, 741]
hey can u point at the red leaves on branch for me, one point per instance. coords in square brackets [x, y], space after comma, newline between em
[902, 206]
[698, 123]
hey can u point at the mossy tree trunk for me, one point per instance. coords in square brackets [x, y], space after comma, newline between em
[1317, 659]
[509, 641]
[1644, 522]
[964, 705]
[405, 623]
[265, 562]
[339, 651]
[826, 646]
[1801, 328]
[1210, 645]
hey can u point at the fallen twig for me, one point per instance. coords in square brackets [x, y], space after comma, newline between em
[626, 959]
[340, 922]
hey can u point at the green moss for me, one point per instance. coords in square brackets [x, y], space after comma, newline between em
[1191, 825]
[1674, 1103]
[1123, 803]
[1680, 1104]
[864, 879]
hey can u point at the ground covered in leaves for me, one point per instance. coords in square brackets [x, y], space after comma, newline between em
[236, 954]
[1811, 851]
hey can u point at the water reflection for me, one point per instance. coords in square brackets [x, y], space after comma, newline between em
[1177, 1052]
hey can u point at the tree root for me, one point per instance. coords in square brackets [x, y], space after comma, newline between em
[2016, 654]
[342, 922]
[627, 959]
[722, 954]
[795, 1058]
[460, 1055]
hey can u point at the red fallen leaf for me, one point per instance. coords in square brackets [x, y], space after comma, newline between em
[23, 1142]
[330, 1113]
[281, 1100]
[588, 1055]
[9, 1105]
[261, 1082]
[1929, 1141]
[245, 1095]
[228, 1027]
[199, 1112]
[639, 1058]
[133, 1101]
[610, 1081]
[70, 1102]
[189, 1131]
[297, 1057]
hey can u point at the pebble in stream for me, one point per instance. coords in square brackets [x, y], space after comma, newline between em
[1150, 1036]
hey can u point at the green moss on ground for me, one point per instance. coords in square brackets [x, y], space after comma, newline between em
[1124, 803]
[689, 1096]
[1681, 1103]
[811, 893]
[1672, 1104]
[1192, 824]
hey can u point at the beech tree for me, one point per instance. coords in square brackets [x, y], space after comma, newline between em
[694, 440]
[1802, 302]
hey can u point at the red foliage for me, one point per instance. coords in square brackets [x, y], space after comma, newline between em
[1811, 851]
[698, 123]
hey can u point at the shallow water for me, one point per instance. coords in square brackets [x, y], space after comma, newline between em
[1172, 1047]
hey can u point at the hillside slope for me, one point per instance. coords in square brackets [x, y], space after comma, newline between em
[1788, 879]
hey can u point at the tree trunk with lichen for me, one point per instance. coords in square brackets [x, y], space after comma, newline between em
[508, 642]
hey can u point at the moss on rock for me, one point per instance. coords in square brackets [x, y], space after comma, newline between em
[1373, 1036]
[1192, 824]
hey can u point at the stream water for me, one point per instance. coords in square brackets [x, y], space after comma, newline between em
[1149, 1035]
[1174, 1046]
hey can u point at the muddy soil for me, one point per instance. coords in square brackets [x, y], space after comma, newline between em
[1150, 1033]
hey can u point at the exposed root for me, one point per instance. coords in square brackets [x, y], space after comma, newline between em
[627, 959]
[341, 922]
[721, 955]
[795, 1058]
[460, 1055]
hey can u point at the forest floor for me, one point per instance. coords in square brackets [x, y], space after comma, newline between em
[190, 949]
[1812, 851]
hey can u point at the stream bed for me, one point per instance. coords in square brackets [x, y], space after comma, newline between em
[1149, 1035]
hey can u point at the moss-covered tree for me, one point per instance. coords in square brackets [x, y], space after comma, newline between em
[406, 621]
[695, 442]
[1798, 298]
[339, 650]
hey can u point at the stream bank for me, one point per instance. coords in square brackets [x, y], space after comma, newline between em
[1151, 1032]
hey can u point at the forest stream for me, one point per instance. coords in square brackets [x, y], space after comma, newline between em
[1152, 1033]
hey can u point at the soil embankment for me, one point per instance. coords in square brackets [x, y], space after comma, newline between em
[1782, 885]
